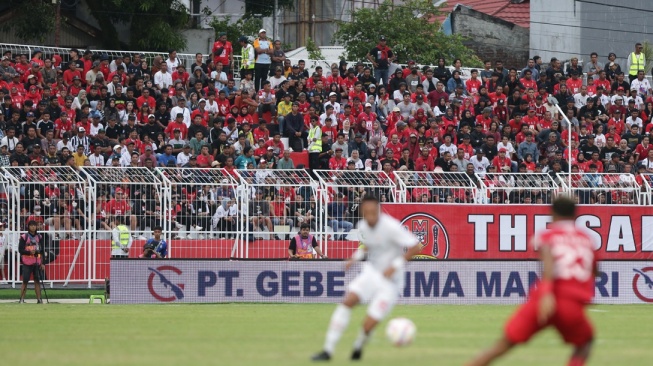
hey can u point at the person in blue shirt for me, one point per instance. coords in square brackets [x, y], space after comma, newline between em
[246, 158]
[166, 157]
[155, 247]
[337, 213]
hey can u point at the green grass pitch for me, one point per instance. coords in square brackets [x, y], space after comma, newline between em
[285, 334]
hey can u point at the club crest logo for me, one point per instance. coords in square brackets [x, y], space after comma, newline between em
[431, 234]
[164, 290]
[643, 283]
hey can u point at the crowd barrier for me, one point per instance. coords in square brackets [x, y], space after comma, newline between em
[216, 213]
[426, 282]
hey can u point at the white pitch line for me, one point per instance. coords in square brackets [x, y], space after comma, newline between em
[598, 310]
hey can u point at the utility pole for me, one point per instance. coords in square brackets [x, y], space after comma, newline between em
[274, 21]
[57, 22]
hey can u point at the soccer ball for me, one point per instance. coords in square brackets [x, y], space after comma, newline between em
[401, 331]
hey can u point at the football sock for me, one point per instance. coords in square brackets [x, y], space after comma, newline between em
[362, 338]
[337, 326]
[576, 361]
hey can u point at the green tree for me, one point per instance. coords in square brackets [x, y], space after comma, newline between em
[154, 24]
[33, 20]
[411, 30]
[247, 27]
[264, 8]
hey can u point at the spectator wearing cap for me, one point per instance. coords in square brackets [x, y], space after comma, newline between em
[81, 139]
[277, 77]
[248, 56]
[7, 71]
[381, 56]
[93, 72]
[264, 51]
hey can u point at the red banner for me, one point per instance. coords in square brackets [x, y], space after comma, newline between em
[504, 231]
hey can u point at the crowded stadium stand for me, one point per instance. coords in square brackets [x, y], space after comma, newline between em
[93, 139]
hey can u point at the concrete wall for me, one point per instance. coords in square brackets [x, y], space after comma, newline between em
[567, 28]
[619, 28]
[554, 29]
[198, 40]
[492, 38]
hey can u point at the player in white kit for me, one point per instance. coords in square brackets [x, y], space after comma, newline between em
[387, 247]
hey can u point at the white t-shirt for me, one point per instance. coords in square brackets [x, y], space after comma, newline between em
[508, 147]
[218, 85]
[182, 159]
[479, 166]
[385, 242]
[275, 82]
[580, 100]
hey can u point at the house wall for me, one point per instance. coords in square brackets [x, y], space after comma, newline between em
[492, 38]
[567, 28]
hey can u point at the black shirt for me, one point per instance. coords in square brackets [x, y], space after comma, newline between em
[114, 132]
[152, 130]
[293, 244]
[380, 59]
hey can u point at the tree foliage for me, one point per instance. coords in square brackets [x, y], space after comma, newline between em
[33, 20]
[154, 24]
[412, 32]
[247, 27]
[264, 8]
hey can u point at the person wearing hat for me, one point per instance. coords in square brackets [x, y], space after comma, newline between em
[31, 247]
[381, 56]
[223, 53]
[264, 50]
[248, 56]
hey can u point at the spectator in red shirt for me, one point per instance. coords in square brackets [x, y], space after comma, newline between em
[338, 162]
[119, 207]
[502, 162]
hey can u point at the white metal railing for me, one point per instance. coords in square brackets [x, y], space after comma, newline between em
[437, 187]
[603, 188]
[78, 240]
[516, 188]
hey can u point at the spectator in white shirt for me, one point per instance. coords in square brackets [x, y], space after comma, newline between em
[480, 162]
[641, 84]
[181, 108]
[634, 119]
[639, 102]
[184, 156]
[580, 99]
[96, 159]
[219, 77]
[163, 79]
[172, 60]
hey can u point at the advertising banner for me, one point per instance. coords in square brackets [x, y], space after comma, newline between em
[427, 282]
[503, 231]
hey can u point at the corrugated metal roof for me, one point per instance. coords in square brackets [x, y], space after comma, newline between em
[518, 13]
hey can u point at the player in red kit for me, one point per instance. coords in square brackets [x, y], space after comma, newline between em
[566, 287]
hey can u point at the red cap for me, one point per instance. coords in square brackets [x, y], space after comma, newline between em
[118, 190]
[503, 149]
[620, 88]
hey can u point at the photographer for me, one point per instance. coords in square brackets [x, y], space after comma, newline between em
[29, 247]
[304, 245]
[155, 247]
[121, 238]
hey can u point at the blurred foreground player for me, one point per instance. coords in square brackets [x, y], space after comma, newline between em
[387, 246]
[566, 287]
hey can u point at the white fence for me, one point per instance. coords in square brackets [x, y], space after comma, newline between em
[215, 213]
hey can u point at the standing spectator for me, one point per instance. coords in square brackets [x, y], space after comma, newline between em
[223, 53]
[121, 239]
[278, 57]
[381, 57]
[636, 61]
[264, 51]
[248, 55]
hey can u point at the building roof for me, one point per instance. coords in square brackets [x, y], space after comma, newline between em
[513, 11]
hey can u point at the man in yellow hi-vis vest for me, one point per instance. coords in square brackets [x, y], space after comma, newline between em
[248, 56]
[314, 143]
[121, 239]
[636, 61]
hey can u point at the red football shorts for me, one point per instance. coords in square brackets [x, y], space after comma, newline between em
[569, 319]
